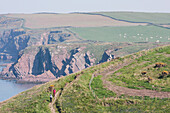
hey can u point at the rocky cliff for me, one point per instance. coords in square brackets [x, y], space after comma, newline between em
[44, 63]
[12, 41]
[45, 54]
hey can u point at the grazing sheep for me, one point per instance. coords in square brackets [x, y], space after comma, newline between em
[157, 41]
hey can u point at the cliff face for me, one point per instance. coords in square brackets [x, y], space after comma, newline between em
[39, 55]
[14, 40]
[41, 64]
[11, 42]
[44, 63]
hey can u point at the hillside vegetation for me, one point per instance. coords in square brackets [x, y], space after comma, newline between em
[91, 90]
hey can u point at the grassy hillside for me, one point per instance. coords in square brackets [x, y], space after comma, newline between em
[131, 75]
[156, 18]
[124, 34]
[90, 91]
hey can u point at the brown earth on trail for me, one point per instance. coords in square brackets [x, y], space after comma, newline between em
[65, 20]
[51, 105]
[119, 90]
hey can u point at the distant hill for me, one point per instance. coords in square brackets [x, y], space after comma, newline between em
[135, 83]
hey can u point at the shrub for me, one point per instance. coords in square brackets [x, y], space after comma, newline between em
[51, 88]
[164, 74]
[149, 79]
[117, 58]
[143, 72]
[160, 64]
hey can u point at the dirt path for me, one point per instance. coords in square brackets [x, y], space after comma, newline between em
[71, 83]
[51, 105]
[127, 91]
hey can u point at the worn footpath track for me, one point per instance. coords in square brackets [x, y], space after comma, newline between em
[128, 91]
[53, 106]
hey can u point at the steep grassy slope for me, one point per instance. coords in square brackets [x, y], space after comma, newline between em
[35, 99]
[131, 75]
[78, 95]
[124, 34]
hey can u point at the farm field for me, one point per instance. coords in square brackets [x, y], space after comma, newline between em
[156, 18]
[35, 21]
[124, 34]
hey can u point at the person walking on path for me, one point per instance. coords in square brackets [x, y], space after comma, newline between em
[54, 92]
[51, 97]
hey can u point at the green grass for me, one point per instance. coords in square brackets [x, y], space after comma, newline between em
[79, 98]
[34, 100]
[130, 76]
[124, 34]
[156, 18]
[101, 92]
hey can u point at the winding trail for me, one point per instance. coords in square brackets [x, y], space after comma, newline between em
[51, 105]
[119, 90]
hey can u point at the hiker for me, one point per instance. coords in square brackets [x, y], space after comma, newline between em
[54, 91]
[51, 97]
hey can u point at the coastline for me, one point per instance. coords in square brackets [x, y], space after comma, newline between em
[38, 85]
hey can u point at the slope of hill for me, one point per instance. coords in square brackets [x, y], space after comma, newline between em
[95, 89]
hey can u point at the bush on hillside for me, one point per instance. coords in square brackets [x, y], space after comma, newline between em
[160, 64]
[143, 72]
[164, 74]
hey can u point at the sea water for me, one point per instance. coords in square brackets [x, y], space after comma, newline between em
[11, 88]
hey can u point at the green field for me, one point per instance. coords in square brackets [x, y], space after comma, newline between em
[124, 34]
[157, 18]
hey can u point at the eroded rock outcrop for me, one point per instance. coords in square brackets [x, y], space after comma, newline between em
[41, 64]
[14, 40]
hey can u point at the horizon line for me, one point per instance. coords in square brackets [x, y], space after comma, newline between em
[48, 12]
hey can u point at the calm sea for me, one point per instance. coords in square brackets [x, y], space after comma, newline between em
[10, 88]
